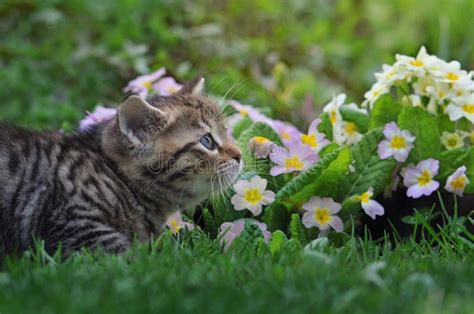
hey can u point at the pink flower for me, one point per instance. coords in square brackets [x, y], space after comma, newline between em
[458, 181]
[100, 114]
[314, 139]
[419, 179]
[371, 207]
[228, 231]
[298, 157]
[166, 86]
[144, 83]
[398, 143]
[321, 212]
[287, 132]
[175, 223]
[246, 111]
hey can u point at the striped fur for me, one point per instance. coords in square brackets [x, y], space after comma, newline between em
[115, 182]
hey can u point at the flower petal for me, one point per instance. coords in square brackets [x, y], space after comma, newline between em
[308, 220]
[238, 201]
[241, 185]
[337, 224]
[390, 130]
[258, 183]
[255, 209]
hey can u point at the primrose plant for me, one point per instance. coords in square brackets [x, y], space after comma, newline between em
[413, 133]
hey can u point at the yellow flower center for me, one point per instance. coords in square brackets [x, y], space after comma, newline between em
[174, 226]
[350, 128]
[453, 142]
[452, 76]
[172, 89]
[417, 63]
[294, 163]
[244, 112]
[253, 196]
[322, 216]
[441, 94]
[398, 142]
[309, 139]
[424, 178]
[469, 108]
[147, 84]
[260, 140]
[333, 117]
[364, 198]
[285, 136]
[459, 183]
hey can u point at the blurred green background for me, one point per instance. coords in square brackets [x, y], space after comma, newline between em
[61, 58]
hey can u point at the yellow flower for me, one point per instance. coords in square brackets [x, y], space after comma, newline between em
[452, 140]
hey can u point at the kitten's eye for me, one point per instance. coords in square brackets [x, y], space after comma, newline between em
[207, 141]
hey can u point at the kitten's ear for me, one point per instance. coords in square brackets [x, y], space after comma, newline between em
[139, 120]
[194, 87]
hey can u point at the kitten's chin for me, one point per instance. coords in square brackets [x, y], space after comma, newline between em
[229, 173]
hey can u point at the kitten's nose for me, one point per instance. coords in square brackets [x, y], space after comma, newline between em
[233, 152]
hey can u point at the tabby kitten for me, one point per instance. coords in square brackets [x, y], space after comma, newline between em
[117, 181]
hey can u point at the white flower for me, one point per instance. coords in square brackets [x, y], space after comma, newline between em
[451, 73]
[458, 181]
[252, 195]
[390, 74]
[377, 90]
[398, 143]
[332, 108]
[452, 140]
[420, 65]
[420, 87]
[371, 207]
[175, 223]
[440, 91]
[321, 212]
[346, 133]
[462, 106]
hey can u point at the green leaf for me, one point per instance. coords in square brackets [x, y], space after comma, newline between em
[328, 149]
[445, 124]
[278, 241]
[385, 110]
[300, 181]
[245, 242]
[424, 126]
[296, 229]
[325, 126]
[241, 126]
[276, 216]
[361, 120]
[369, 170]
[327, 183]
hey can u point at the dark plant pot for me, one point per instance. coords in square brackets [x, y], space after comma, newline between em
[400, 205]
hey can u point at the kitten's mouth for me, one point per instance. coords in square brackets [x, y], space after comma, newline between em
[228, 172]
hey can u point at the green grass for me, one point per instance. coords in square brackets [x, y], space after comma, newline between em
[195, 276]
[60, 58]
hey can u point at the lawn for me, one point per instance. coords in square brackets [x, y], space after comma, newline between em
[195, 276]
[60, 59]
